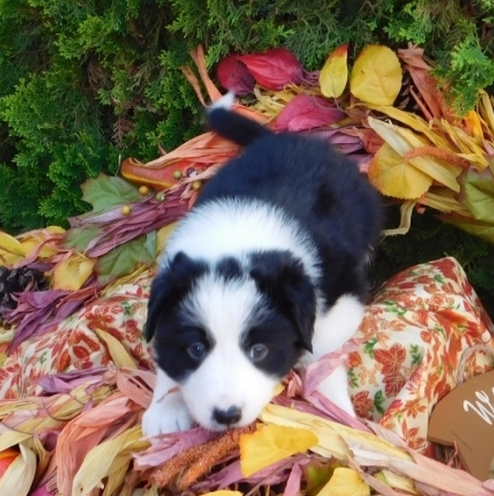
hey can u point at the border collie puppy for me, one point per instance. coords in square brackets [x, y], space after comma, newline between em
[267, 271]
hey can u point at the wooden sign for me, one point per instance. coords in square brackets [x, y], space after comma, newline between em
[465, 417]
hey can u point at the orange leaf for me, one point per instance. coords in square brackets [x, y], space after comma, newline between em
[473, 125]
[334, 74]
[271, 444]
[200, 60]
[394, 176]
[376, 76]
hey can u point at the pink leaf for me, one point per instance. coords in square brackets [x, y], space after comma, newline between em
[65, 382]
[42, 491]
[292, 487]
[39, 312]
[274, 69]
[234, 76]
[307, 112]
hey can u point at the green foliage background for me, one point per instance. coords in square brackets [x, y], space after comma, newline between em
[83, 84]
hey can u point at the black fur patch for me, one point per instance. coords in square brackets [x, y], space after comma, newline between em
[170, 286]
[281, 336]
[229, 268]
[282, 278]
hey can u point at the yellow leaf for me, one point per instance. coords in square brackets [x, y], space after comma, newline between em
[397, 481]
[345, 482]
[19, 476]
[119, 355]
[45, 252]
[404, 141]
[333, 437]
[152, 491]
[444, 200]
[413, 121]
[105, 459]
[55, 229]
[8, 439]
[487, 111]
[11, 249]
[334, 75]
[376, 76]
[271, 444]
[73, 272]
[473, 124]
[394, 176]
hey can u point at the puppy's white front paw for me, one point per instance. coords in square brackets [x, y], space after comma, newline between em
[165, 415]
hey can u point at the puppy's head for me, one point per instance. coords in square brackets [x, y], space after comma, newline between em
[228, 332]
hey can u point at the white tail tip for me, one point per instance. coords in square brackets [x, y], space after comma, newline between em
[226, 102]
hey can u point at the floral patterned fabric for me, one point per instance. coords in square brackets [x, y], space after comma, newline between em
[414, 335]
[416, 332]
[85, 340]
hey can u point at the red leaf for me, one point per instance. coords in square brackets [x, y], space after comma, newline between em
[234, 76]
[307, 112]
[274, 69]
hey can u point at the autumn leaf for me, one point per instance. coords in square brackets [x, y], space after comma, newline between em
[413, 121]
[125, 258]
[306, 112]
[480, 228]
[106, 192]
[163, 235]
[376, 76]
[274, 69]
[345, 482]
[42, 243]
[477, 193]
[272, 443]
[234, 76]
[334, 74]
[393, 176]
[317, 474]
[73, 272]
[11, 248]
[79, 238]
[39, 243]
[473, 125]
[477, 196]
[405, 142]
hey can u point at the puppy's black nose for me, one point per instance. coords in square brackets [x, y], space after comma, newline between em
[229, 416]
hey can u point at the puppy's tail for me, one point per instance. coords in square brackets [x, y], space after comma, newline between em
[231, 125]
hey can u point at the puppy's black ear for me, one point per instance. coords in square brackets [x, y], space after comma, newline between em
[169, 286]
[282, 277]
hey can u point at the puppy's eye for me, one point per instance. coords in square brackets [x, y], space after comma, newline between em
[197, 351]
[258, 352]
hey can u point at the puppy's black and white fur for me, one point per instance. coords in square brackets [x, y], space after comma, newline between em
[266, 272]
